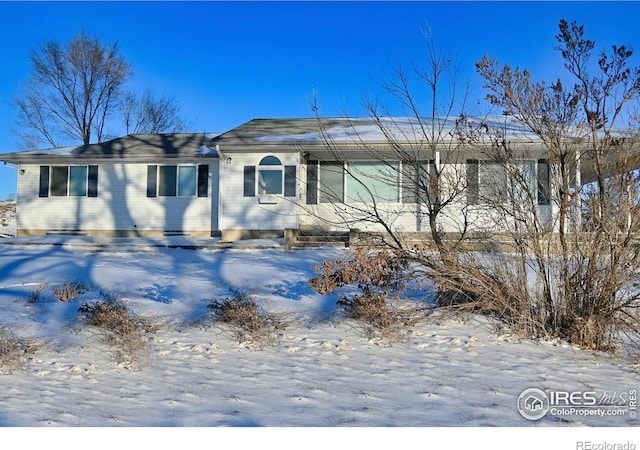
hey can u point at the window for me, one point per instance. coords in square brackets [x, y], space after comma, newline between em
[187, 181]
[167, 186]
[373, 181]
[272, 178]
[331, 182]
[365, 182]
[178, 181]
[416, 180]
[59, 180]
[491, 182]
[77, 181]
[68, 181]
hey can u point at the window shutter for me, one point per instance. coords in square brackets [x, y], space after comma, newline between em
[249, 181]
[472, 182]
[203, 180]
[312, 182]
[544, 182]
[152, 180]
[92, 189]
[290, 177]
[410, 182]
[44, 181]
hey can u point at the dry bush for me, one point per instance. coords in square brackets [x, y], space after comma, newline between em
[246, 319]
[14, 352]
[68, 290]
[377, 270]
[121, 330]
[36, 293]
[378, 275]
[379, 320]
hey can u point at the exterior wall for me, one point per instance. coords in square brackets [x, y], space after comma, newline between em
[259, 216]
[410, 217]
[121, 208]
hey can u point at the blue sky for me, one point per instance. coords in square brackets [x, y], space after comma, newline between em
[229, 62]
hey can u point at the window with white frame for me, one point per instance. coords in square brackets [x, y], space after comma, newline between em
[331, 182]
[270, 177]
[493, 182]
[188, 180]
[354, 182]
[373, 182]
[417, 181]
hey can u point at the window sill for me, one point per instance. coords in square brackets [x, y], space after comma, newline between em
[268, 199]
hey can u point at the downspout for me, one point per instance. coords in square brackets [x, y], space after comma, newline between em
[221, 161]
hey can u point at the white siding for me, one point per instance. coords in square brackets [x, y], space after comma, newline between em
[408, 217]
[238, 212]
[122, 205]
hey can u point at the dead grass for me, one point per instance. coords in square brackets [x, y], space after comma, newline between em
[125, 333]
[378, 275]
[14, 351]
[247, 321]
[68, 290]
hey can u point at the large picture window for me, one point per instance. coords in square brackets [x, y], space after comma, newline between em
[373, 182]
[68, 181]
[361, 182]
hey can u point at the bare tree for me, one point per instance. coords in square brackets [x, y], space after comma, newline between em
[564, 261]
[72, 91]
[419, 149]
[589, 278]
[150, 114]
[414, 171]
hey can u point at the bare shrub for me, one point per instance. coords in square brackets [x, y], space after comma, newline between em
[377, 270]
[248, 321]
[378, 275]
[14, 352]
[121, 330]
[35, 295]
[68, 290]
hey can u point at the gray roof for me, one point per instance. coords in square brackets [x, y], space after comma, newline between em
[354, 131]
[139, 147]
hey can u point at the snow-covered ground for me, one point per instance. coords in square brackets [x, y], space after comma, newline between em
[7, 218]
[322, 372]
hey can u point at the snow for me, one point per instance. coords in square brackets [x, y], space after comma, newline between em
[321, 372]
[7, 218]
[401, 129]
[204, 150]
